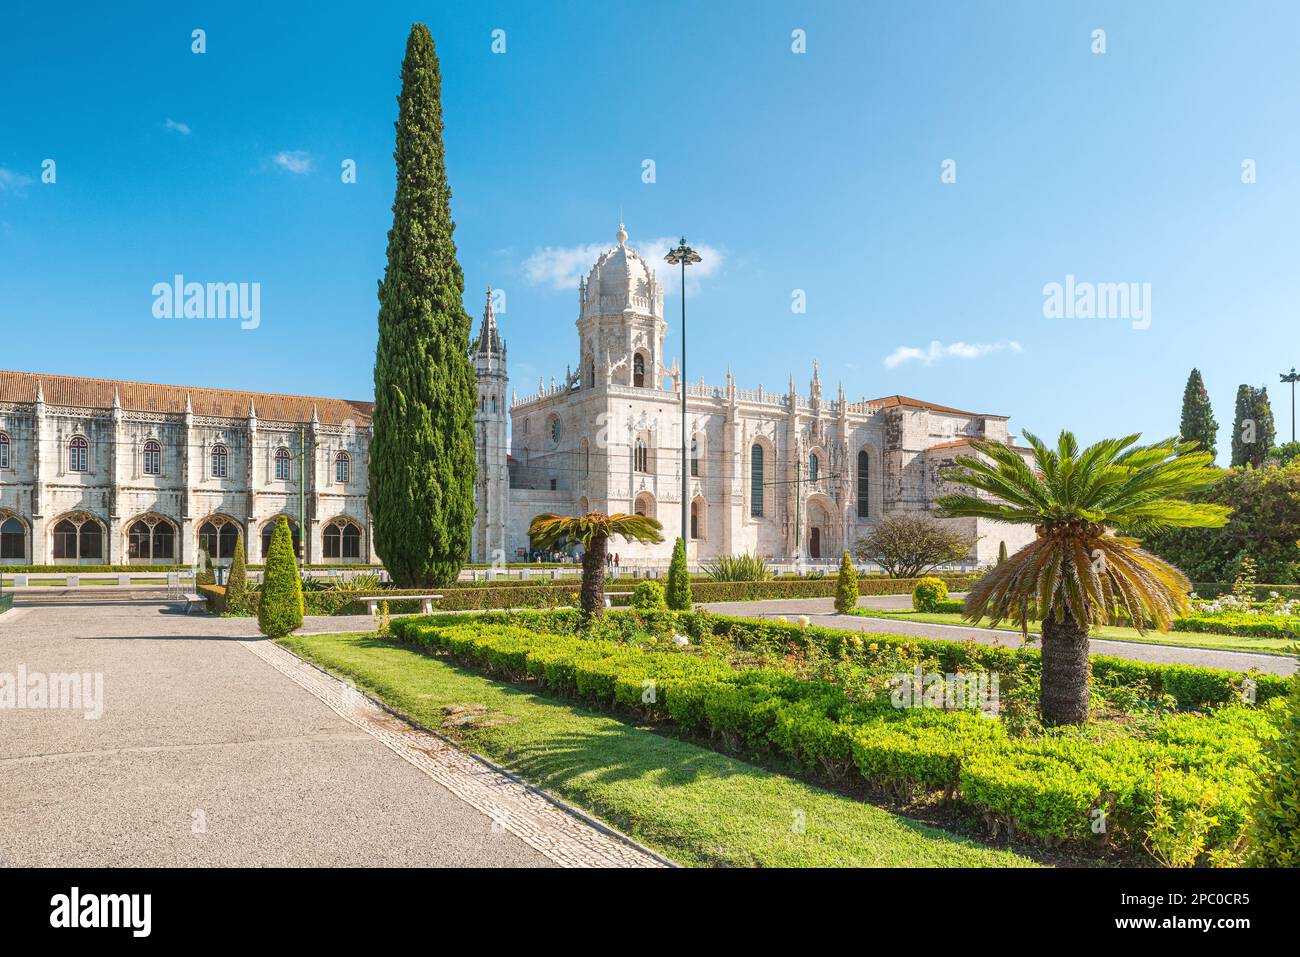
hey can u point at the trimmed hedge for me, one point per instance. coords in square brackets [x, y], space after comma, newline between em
[1209, 590]
[1246, 626]
[1052, 787]
[1190, 686]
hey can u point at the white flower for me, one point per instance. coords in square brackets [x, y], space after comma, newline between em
[681, 641]
[804, 621]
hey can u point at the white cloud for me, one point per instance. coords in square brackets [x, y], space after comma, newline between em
[561, 267]
[954, 350]
[12, 181]
[173, 126]
[295, 161]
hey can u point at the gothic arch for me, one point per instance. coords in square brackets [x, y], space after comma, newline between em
[343, 539]
[644, 504]
[15, 538]
[218, 532]
[759, 471]
[79, 538]
[267, 528]
[699, 519]
[151, 538]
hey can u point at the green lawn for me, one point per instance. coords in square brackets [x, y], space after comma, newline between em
[696, 806]
[1193, 639]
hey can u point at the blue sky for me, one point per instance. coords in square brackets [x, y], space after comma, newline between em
[817, 171]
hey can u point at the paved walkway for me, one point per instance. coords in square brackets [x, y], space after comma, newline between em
[217, 750]
[821, 612]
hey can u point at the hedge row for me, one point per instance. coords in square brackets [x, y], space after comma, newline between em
[1215, 589]
[1051, 787]
[1247, 626]
[1191, 686]
[477, 596]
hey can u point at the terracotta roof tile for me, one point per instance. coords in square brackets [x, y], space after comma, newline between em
[890, 401]
[79, 392]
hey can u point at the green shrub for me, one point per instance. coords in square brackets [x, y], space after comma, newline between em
[1246, 626]
[738, 568]
[280, 605]
[678, 594]
[649, 595]
[928, 593]
[205, 575]
[846, 587]
[1273, 834]
[237, 581]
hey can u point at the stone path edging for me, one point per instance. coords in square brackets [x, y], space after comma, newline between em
[565, 834]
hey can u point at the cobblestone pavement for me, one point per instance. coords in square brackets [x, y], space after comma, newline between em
[821, 612]
[207, 755]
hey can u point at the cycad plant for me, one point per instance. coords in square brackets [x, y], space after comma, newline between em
[1083, 568]
[593, 531]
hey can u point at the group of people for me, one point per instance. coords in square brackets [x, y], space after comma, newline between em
[556, 557]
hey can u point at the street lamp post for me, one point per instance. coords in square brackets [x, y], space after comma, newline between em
[686, 256]
[1292, 377]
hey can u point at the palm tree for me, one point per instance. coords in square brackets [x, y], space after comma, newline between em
[593, 531]
[1082, 569]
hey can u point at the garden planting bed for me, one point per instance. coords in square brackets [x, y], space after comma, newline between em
[473, 596]
[1166, 783]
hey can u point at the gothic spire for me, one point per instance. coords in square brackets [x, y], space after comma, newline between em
[489, 339]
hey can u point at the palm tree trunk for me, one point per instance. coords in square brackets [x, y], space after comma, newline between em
[593, 578]
[1063, 695]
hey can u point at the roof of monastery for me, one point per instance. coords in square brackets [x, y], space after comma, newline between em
[896, 400]
[78, 392]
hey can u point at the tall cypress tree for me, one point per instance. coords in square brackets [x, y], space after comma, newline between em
[422, 464]
[1253, 431]
[1198, 424]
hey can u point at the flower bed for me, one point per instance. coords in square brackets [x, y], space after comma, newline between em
[1177, 784]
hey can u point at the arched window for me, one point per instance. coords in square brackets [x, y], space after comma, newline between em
[219, 461]
[152, 455]
[756, 481]
[591, 374]
[13, 540]
[644, 505]
[642, 463]
[494, 405]
[812, 466]
[864, 484]
[283, 465]
[4, 451]
[78, 455]
[218, 536]
[638, 370]
[268, 530]
[78, 537]
[343, 468]
[65, 540]
[697, 519]
[342, 540]
[482, 404]
[695, 457]
[150, 539]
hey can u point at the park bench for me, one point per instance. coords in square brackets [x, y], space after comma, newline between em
[192, 599]
[614, 594]
[426, 602]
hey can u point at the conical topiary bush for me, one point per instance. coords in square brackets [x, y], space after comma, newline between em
[279, 609]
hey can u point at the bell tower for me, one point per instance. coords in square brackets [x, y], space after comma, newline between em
[492, 484]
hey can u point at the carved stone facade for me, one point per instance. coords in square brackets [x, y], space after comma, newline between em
[98, 471]
[777, 474]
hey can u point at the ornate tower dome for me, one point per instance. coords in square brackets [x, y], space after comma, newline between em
[621, 280]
